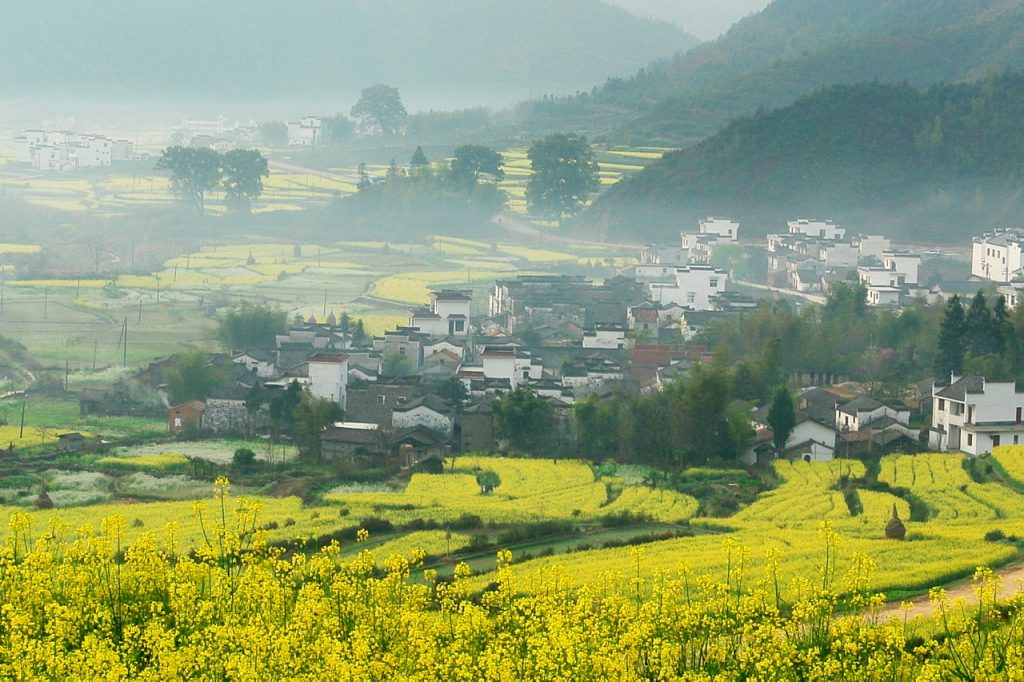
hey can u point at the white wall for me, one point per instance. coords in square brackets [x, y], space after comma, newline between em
[422, 416]
[329, 380]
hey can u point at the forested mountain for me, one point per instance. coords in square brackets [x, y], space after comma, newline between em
[490, 49]
[790, 49]
[941, 163]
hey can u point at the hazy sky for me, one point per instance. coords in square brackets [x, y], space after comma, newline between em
[706, 19]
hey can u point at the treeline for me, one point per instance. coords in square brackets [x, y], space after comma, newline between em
[921, 163]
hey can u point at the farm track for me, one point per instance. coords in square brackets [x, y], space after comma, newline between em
[1011, 583]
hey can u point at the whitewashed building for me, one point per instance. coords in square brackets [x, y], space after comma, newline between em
[447, 314]
[997, 256]
[328, 377]
[429, 411]
[973, 415]
[607, 336]
[694, 287]
[62, 150]
[305, 132]
[824, 229]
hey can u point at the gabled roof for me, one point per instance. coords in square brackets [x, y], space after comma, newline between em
[417, 435]
[197, 405]
[430, 401]
[257, 354]
[958, 390]
[861, 404]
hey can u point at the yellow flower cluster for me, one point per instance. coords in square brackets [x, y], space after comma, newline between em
[80, 605]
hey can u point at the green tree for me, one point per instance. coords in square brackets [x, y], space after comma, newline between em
[272, 134]
[283, 404]
[251, 325]
[192, 377]
[194, 172]
[454, 391]
[564, 173]
[952, 344]
[781, 417]
[704, 404]
[488, 480]
[396, 365]
[597, 426]
[243, 173]
[380, 108]
[525, 419]
[979, 327]
[471, 162]
[337, 129]
[419, 161]
[1002, 330]
[312, 416]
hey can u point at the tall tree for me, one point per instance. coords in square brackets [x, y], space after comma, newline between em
[244, 170]
[525, 419]
[312, 416]
[251, 325]
[194, 172]
[979, 327]
[419, 161]
[471, 162]
[380, 108]
[952, 344]
[708, 394]
[781, 417]
[192, 377]
[564, 174]
[1002, 330]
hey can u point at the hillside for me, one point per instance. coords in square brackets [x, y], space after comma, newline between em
[481, 50]
[790, 49]
[939, 164]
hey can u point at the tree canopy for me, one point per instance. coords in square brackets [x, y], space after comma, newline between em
[243, 170]
[194, 172]
[380, 109]
[471, 162]
[564, 174]
[251, 325]
[525, 419]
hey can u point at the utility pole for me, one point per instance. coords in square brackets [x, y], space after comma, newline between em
[140, 309]
[21, 432]
[67, 374]
[325, 304]
[46, 296]
[95, 343]
[124, 356]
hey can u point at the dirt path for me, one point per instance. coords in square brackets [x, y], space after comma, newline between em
[1012, 578]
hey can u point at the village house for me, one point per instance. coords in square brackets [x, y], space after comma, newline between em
[605, 336]
[447, 314]
[188, 415]
[373, 401]
[306, 132]
[973, 415]
[996, 256]
[694, 287]
[429, 411]
[328, 377]
[351, 442]
[261, 362]
[476, 428]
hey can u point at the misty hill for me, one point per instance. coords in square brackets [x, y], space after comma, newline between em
[937, 165]
[265, 49]
[792, 48]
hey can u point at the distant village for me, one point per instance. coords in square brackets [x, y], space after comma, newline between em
[567, 337]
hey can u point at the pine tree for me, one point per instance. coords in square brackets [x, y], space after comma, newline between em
[952, 340]
[781, 417]
[418, 160]
[1002, 330]
[979, 327]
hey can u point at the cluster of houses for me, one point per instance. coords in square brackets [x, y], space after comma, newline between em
[62, 150]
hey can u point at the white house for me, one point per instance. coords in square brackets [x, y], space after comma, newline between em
[904, 264]
[872, 245]
[974, 415]
[429, 411]
[511, 363]
[859, 412]
[882, 296]
[694, 287]
[710, 231]
[63, 150]
[605, 336]
[305, 132]
[259, 361]
[825, 229]
[997, 256]
[810, 440]
[447, 315]
[328, 377]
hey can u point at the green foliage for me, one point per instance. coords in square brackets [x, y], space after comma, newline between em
[851, 152]
[395, 365]
[243, 171]
[243, 458]
[380, 109]
[336, 129]
[952, 340]
[781, 417]
[471, 162]
[525, 419]
[488, 480]
[192, 377]
[194, 172]
[418, 161]
[413, 206]
[564, 175]
[454, 391]
[312, 416]
[251, 325]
